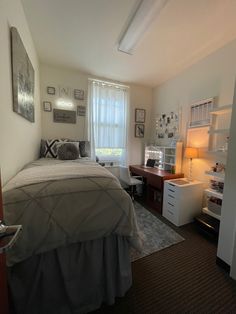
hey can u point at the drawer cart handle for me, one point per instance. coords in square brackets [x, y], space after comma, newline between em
[171, 190]
[170, 212]
[171, 196]
[170, 204]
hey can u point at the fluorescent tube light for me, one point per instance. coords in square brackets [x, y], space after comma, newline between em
[146, 11]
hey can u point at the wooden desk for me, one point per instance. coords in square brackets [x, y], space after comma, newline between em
[155, 183]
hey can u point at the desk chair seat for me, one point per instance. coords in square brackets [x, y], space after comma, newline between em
[131, 181]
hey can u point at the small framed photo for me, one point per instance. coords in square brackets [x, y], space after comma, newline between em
[51, 90]
[47, 106]
[139, 130]
[81, 111]
[79, 94]
[140, 115]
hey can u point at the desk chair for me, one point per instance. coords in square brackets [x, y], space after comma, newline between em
[129, 180]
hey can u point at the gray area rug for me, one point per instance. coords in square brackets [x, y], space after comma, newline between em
[157, 235]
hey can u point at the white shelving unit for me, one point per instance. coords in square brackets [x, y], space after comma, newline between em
[219, 130]
[218, 176]
[218, 138]
[166, 157]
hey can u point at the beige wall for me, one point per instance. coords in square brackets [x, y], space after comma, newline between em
[214, 76]
[140, 97]
[19, 138]
[57, 77]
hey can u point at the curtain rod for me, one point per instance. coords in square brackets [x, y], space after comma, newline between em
[107, 82]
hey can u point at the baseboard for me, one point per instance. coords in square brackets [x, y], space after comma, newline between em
[223, 264]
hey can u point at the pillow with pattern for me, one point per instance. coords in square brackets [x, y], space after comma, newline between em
[84, 148]
[68, 151]
[49, 148]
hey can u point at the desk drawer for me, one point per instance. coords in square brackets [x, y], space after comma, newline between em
[170, 213]
[155, 181]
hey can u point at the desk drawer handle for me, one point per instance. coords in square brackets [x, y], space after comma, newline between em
[170, 204]
[170, 212]
[171, 196]
[171, 190]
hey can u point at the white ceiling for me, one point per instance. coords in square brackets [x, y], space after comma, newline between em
[83, 34]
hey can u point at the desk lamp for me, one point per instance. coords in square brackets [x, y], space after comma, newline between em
[190, 153]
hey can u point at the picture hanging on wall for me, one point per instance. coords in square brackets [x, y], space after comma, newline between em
[22, 78]
[79, 94]
[167, 125]
[47, 106]
[81, 110]
[140, 115]
[64, 116]
[51, 90]
[139, 130]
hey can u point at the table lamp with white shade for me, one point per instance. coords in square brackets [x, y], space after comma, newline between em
[190, 153]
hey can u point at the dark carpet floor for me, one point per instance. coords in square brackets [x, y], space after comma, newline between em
[183, 278]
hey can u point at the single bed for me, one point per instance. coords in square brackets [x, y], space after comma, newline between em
[78, 225]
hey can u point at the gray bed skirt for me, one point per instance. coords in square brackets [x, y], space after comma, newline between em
[73, 279]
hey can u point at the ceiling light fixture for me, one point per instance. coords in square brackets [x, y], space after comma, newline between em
[139, 22]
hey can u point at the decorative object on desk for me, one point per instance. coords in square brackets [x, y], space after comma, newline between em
[64, 116]
[150, 162]
[22, 78]
[140, 115]
[157, 235]
[139, 130]
[79, 94]
[81, 111]
[190, 153]
[47, 106]
[51, 90]
[200, 113]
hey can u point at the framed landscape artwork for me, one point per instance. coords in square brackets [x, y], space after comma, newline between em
[22, 78]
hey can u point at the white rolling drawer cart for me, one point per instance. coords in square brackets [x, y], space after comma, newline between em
[182, 200]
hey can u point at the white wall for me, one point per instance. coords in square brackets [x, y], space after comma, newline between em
[214, 76]
[19, 138]
[140, 97]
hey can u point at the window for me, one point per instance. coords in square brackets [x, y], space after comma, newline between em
[108, 120]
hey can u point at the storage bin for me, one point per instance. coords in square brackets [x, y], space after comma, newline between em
[213, 207]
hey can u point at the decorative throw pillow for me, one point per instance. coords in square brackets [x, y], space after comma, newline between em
[68, 151]
[84, 148]
[50, 148]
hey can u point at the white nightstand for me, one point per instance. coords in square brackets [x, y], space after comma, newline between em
[182, 200]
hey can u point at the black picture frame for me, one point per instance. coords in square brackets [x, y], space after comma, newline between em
[51, 90]
[139, 130]
[47, 106]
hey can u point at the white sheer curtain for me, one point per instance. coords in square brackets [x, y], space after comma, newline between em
[108, 112]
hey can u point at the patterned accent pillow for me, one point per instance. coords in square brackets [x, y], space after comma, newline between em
[84, 147]
[50, 148]
[68, 151]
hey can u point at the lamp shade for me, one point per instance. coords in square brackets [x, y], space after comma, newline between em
[191, 152]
